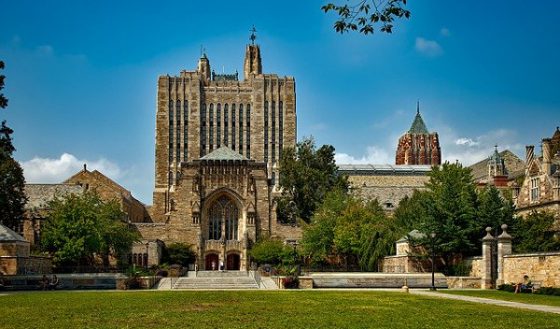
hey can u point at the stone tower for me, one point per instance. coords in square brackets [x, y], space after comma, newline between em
[418, 146]
[219, 140]
[497, 172]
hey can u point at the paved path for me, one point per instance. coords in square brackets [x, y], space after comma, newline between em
[532, 307]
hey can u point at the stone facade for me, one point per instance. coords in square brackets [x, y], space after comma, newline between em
[542, 268]
[219, 140]
[388, 184]
[540, 189]
[417, 146]
[15, 255]
[108, 189]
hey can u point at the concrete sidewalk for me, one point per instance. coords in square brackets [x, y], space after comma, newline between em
[532, 307]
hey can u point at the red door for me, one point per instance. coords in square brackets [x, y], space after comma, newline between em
[212, 262]
[233, 262]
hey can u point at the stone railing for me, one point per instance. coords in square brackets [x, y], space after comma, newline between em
[218, 245]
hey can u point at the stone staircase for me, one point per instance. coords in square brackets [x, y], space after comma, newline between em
[216, 280]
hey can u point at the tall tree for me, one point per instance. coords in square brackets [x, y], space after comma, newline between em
[82, 229]
[364, 16]
[306, 175]
[12, 195]
[536, 233]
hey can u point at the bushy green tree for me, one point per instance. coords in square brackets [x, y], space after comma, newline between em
[307, 174]
[12, 195]
[343, 227]
[179, 253]
[493, 211]
[365, 16]
[81, 228]
[271, 251]
[536, 233]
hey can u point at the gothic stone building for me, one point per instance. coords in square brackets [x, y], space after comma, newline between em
[417, 146]
[218, 142]
[540, 189]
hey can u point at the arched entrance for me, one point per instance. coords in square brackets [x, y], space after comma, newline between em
[233, 262]
[212, 262]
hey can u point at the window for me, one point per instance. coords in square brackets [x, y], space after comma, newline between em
[211, 129]
[185, 129]
[265, 131]
[171, 131]
[233, 127]
[178, 130]
[240, 128]
[248, 132]
[273, 131]
[534, 189]
[203, 130]
[226, 122]
[218, 125]
[223, 212]
[280, 128]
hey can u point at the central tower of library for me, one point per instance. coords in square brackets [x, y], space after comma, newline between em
[219, 138]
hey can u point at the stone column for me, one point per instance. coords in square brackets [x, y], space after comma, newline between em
[504, 248]
[486, 268]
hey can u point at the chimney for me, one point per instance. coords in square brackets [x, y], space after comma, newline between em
[546, 155]
[529, 154]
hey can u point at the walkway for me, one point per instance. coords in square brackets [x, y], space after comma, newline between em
[532, 307]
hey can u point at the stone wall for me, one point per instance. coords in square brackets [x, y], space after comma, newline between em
[475, 264]
[543, 268]
[405, 264]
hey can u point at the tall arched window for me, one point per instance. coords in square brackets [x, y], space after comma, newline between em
[280, 128]
[203, 130]
[240, 128]
[211, 128]
[224, 212]
[185, 129]
[248, 132]
[233, 127]
[273, 131]
[178, 130]
[265, 131]
[218, 125]
[226, 122]
[171, 130]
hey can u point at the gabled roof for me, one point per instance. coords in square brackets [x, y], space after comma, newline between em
[7, 235]
[514, 165]
[223, 153]
[418, 125]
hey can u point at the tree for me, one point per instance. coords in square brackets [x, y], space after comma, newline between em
[82, 229]
[306, 175]
[12, 195]
[179, 253]
[270, 251]
[450, 207]
[365, 16]
[536, 233]
[344, 227]
[493, 211]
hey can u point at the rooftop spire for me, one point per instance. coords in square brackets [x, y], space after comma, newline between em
[418, 125]
[253, 35]
[418, 107]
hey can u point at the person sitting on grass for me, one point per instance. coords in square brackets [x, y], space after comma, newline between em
[525, 285]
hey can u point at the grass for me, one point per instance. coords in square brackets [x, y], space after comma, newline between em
[509, 296]
[256, 309]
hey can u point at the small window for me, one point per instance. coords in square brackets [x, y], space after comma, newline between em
[534, 189]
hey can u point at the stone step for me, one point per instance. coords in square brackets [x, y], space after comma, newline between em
[216, 282]
[221, 274]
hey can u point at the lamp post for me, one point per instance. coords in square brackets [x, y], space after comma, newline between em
[433, 239]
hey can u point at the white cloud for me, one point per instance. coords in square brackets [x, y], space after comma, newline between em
[470, 150]
[46, 170]
[45, 50]
[374, 155]
[444, 32]
[428, 48]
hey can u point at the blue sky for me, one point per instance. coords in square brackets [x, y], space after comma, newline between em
[81, 76]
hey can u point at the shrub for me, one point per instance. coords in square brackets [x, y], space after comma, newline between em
[179, 253]
[548, 291]
[290, 282]
[507, 287]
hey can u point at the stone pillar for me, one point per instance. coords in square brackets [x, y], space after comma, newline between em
[486, 268]
[504, 248]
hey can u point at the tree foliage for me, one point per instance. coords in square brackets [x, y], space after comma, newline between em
[365, 16]
[536, 233]
[343, 228]
[270, 251]
[81, 229]
[12, 195]
[306, 175]
[179, 253]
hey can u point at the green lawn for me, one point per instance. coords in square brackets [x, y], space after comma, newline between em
[509, 296]
[256, 309]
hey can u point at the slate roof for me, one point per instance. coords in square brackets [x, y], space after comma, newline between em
[7, 235]
[514, 166]
[223, 153]
[418, 125]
